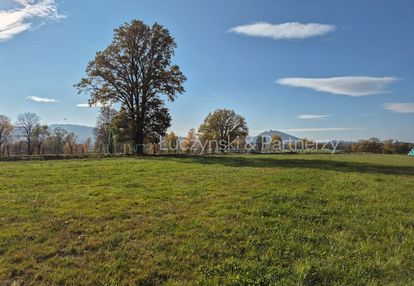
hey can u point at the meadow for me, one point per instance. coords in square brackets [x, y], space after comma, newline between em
[214, 220]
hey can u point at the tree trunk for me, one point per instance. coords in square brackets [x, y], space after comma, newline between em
[139, 139]
[29, 147]
[138, 143]
[139, 146]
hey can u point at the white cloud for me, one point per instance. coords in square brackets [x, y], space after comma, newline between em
[29, 15]
[38, 99]
[313, 116]
[85, 105]
[292, 30]
[322, 129]
[348, 85]
[399, 107]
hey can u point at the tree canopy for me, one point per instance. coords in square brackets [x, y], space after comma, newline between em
[6, 130]
[223, 125]
[27, 123]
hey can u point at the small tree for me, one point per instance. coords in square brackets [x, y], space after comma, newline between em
[277, 143]
[57, 138]
[402, 147]
[86, 145]
[190, 141]
[27, 123]
[374, 145]
[105, 127]
[6, 132]
[171, 141]
[388, 146]
[224, 126]
[40, 135]
[306, 144]
[70, 142]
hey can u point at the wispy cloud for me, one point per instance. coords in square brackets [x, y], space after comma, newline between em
[38, 99]
[348, 85]
[399, 107]
[313, 116]
[86, 105]
[292, 30]
[28, 15]
[322, 129]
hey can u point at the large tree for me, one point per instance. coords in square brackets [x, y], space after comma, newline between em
[136, 71]
[27, 123]
[6, 130]
[224, 126]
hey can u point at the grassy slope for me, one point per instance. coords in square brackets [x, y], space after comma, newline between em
[290, 219]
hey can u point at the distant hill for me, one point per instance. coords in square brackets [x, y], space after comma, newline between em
[282, 135]
[83, 132]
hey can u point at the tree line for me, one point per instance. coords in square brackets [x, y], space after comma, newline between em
[375, 145]
[220, 129]
[27, 136]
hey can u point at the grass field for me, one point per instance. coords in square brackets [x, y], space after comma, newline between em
[229, 220]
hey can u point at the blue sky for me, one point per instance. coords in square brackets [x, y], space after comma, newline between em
[317, 69]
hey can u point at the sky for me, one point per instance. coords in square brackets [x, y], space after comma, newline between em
[327, 69]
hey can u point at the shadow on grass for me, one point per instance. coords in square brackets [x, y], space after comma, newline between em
[327, 165]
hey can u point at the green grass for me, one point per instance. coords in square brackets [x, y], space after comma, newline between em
[229, 220]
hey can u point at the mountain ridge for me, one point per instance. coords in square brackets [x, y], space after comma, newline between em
[282, 135]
